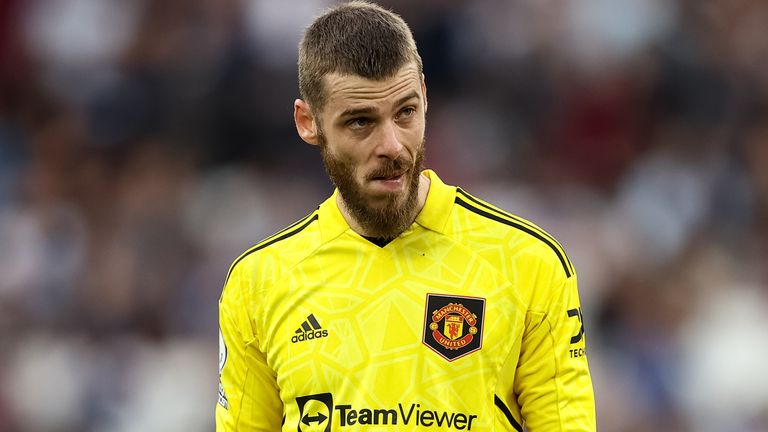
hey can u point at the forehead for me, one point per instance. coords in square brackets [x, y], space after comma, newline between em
[350, 91]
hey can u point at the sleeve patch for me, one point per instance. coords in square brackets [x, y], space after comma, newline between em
[222, 361]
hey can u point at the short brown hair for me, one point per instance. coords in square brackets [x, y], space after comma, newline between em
[357, 38]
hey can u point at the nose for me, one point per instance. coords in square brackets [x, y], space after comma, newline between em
[389, 145]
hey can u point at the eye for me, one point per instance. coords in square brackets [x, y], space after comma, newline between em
[358, 123]
[406, 113]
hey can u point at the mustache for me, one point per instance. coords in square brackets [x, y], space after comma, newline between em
[391, 168]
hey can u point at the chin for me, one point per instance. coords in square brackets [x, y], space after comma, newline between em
[384, 201]
[387, 197]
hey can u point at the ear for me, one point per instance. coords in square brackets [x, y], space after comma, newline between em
[306, 125]
[424, 91]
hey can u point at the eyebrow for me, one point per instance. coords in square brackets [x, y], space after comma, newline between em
[351, 112]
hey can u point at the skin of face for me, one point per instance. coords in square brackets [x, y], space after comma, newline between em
[371, 135]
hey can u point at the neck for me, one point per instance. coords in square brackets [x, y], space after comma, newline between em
[421, 199]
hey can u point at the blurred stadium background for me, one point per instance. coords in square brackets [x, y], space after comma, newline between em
[145, 143]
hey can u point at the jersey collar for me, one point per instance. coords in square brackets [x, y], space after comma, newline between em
[332, 222]
[438, 206]
[433, 215]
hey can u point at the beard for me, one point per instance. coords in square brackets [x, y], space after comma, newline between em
[390, 215]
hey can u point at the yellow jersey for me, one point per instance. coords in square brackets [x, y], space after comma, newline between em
[469, 320]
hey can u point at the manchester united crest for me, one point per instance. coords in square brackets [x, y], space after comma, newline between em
[453, 325]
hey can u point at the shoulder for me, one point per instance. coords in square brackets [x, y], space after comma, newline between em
[278, 251]
[484, 223]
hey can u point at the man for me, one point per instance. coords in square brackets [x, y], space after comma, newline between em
[401, 303]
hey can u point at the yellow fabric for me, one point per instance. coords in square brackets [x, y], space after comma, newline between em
[325, 331]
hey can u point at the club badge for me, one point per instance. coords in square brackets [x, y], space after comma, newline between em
[453, 325]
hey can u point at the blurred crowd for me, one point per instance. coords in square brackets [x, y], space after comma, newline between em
[145, 143]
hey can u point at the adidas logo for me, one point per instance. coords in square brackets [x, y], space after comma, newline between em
[310, 329]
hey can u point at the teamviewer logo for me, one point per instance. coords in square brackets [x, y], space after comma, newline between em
[314, 411]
